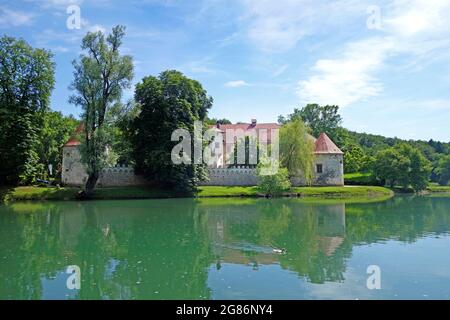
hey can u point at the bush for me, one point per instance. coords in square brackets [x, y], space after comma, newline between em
[361, 179]
[273, 184]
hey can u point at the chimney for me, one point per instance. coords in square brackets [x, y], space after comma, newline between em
[253, 122]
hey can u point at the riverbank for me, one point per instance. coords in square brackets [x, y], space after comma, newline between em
[59, 194]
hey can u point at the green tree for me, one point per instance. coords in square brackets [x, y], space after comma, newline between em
[443, 170]
[56, 130]
[168, 102]
[386, 166]
[26, 83]
[420, 167]
[318, 118]
[403, 165]
[275, 183]
[296, 149]
[100, 76]
[214, 121]
[119, 119]
[353, 158]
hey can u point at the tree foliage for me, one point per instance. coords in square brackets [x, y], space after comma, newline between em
[26, 83]
[403, 165]
[273, 184]
[100, 75]
[214, 121]
[318, 118]
[296, 149]
[443, 170]
[55, 131]
[168, 102]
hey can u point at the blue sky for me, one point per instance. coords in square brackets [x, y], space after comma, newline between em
[385, 63]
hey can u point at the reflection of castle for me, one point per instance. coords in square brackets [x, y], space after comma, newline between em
[326, 228]
[331, 228]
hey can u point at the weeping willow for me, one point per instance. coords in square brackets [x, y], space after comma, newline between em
[297, 150]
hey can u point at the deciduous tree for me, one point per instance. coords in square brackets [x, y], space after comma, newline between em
[100, 75]
[26, 83]
[296, 149]
[168, 102]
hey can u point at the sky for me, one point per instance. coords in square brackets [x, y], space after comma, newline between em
[385, 63]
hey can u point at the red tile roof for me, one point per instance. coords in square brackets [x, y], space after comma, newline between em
[73, 141]
[247, 128]
[324, 145]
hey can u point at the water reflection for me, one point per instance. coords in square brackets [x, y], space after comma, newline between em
[189, 249]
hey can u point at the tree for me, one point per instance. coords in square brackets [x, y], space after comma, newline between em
[443, 170]
[273, 184]
[386, 166]
[214, 121]
[353, 158]
[26, 83]
[119, 119]
[168, 102]
[296, 149]
[100, 76]
[318, 118]
[56, 130]
[403, 165]
[420, 167]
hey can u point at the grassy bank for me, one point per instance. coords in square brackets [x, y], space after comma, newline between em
[438, 188]
[42, 193]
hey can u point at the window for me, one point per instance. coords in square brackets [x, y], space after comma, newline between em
[319, 168]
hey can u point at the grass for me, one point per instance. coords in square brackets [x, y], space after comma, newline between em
[363, 179]
[228, 191]
[53, 193]
[438, 188]
[49, 193]
[343, 192]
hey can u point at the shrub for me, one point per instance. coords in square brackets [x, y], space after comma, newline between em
[275, 183]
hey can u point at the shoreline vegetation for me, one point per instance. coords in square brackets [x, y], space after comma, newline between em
[33, 193]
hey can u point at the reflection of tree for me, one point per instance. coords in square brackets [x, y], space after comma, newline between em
[29, 249]
[163, 248]
[256, 228]
[404, 218]
[93, 250]
[166, 254]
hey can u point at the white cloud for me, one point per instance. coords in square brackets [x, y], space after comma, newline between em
[236, 84]
[410, 18]
[279, 25]
[349, 78]
[13, 18]
[415, 32]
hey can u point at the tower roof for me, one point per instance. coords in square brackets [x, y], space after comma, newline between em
[73, 141]
[324, 145]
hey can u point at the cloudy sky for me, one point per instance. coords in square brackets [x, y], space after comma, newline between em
[385, 63]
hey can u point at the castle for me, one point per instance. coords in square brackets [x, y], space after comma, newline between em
[328, 163]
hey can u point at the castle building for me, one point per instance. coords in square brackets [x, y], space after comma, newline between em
[328, 161]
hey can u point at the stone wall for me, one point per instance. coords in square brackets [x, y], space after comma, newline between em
[332, 174]
[332, 171]
[241, 176]
[74, 172]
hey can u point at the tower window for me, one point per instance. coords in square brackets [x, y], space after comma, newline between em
[319, 168]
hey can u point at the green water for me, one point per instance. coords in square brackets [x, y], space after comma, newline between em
[226, 249]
